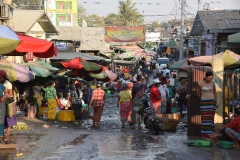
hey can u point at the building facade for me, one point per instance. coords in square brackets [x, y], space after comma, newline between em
[62, 12]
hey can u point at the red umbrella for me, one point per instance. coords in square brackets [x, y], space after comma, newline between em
[81, 67]
[40, 48]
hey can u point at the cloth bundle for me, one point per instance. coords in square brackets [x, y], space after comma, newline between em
[21, 126]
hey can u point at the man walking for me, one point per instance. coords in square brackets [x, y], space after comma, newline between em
[97, 101]
[137, 93]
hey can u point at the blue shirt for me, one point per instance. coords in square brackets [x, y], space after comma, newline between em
[2, 88]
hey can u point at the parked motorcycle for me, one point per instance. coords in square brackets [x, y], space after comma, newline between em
[150, 119]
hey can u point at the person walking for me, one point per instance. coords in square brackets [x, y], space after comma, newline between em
[76, 101]
[182, 92]
[97, 101]
[3, 96]
[9, 121]
[137, 93]
[206, 91]
[52, 99]
[164, 94]
[170, 96]
[125, 101]
[155, 96]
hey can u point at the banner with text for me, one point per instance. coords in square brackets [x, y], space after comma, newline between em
[124, 34]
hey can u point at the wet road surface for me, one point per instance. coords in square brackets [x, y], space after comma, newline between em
[65, 140]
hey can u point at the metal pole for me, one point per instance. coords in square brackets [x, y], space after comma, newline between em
[198, 4]
[182, 28]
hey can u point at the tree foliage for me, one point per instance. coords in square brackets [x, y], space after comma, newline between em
[150, 27]
[113, 19]
[129, 13]
[29, 4]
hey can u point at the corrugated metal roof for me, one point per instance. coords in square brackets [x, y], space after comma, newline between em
[71, 55]
[215, 19]
[92, 38]
[24, 20]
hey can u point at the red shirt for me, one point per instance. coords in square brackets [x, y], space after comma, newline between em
[97, 97]
[154, 93]
[234, 124]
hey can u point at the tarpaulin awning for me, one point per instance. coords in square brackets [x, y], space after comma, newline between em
[16, 72]
[234, 38]
[231, 60]
[40, 48]
[8, 40]
[182, 64]
[41, 69]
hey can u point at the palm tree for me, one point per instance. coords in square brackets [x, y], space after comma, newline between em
[129, 13]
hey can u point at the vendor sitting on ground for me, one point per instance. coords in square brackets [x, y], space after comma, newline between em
[233, 128]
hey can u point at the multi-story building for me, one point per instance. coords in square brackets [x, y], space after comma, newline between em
[62, 12]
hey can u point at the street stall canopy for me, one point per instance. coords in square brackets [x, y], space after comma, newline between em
[234, 38]
[80, 63]
[231, 60]
[8, 40]
[41, 69]
[40, 48]
[179, 65]
[16, 72]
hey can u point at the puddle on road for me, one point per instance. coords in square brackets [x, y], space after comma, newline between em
[25, 144]
[131, 146]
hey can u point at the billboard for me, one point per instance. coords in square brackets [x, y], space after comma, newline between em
[124, 34]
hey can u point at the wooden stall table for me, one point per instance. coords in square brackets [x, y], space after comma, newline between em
[66, 115]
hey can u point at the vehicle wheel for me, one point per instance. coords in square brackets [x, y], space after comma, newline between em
[146, 121]
[155, 127]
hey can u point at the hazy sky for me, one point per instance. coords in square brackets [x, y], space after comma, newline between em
[168, 9]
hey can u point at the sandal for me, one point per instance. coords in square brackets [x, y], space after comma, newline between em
[132, 127]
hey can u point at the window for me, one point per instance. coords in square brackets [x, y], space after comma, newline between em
[69, 18]
[61, 5]
[69, 5]
[61, 18]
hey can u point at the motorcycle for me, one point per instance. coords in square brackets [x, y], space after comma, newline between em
[150, 119]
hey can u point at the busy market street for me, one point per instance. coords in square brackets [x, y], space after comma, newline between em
[65, 139]
[119, 80]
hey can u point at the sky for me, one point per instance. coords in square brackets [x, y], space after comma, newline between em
[158, 10]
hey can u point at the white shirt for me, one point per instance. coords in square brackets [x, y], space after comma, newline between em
[164, 91]
[8, 85]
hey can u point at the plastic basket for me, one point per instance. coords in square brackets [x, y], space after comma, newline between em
[226, 144]
[199, 143]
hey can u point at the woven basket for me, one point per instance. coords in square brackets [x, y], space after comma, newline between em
[169, 121]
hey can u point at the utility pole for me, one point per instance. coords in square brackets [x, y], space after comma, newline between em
[182, 28]
[199, 1]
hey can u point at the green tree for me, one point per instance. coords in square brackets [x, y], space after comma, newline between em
[29, 4]
[82, 14]
[152, 26]
[129, 13]
[94, 21]
[113, 19]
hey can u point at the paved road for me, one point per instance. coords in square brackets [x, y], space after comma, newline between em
[66, 141]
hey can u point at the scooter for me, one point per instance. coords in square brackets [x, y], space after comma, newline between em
[150, 119]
